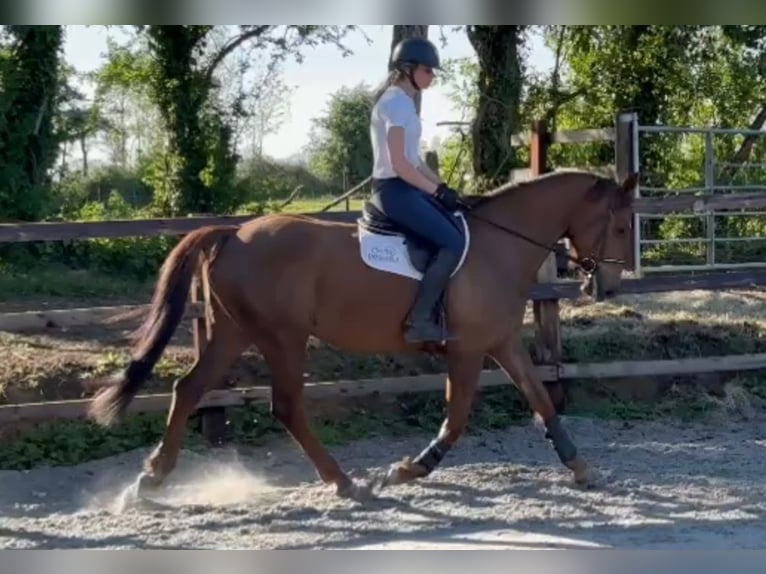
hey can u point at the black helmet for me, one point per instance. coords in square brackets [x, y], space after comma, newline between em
[415, 51]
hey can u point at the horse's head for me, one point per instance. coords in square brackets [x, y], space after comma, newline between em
[600, 233]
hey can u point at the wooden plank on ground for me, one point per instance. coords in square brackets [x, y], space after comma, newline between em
[715, 281]
[64, 318]
[78, 317]
[686, 366]
[75, 409]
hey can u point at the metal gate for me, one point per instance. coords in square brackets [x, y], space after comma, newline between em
[708, 247]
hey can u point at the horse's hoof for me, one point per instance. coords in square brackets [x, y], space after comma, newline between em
[584, 475]
[403, 472]
[353, 490]
[134, 496]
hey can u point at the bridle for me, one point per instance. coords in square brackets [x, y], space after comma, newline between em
[588, 264]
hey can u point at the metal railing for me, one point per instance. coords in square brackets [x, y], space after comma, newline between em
[711, 239]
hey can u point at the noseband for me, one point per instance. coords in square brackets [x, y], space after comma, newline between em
[589, 264]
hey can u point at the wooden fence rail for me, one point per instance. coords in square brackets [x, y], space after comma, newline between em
[221, 398]
[545, 295]
[68, 231]
[78, 230]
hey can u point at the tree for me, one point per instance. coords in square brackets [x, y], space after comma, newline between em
[29, 68]
[341, 137]
[182, 85]
[751, 44]
[76, 121]
[456, 151]
[123, 98]
[499, 87]
[250, 89]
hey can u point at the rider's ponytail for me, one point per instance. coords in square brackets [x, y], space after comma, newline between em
[394, 76]
[387, 83]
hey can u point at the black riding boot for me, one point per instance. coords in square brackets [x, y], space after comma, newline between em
[420, 323]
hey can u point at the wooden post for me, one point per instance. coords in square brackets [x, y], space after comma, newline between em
[212, 419]
[546, 312]
[626, 162]
[432, 161]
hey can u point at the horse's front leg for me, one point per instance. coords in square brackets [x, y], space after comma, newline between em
[514, 359]
[464, 371]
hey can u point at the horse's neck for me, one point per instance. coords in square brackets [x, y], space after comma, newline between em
[534, 213]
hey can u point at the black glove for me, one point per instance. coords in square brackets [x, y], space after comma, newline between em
[447, 196]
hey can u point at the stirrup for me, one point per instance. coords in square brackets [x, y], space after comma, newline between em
[427, 333]
[428, 330]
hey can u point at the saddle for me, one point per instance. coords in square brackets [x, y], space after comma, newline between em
[419, 250]
[386, 246]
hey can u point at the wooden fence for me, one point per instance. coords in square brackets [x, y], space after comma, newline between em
[545, 296]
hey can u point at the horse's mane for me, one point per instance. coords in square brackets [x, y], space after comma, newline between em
[600, 182]
[477, 199]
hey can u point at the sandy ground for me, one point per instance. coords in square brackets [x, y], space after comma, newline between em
[667, 485]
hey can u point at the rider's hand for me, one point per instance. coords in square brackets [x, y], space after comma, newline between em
[447, 196]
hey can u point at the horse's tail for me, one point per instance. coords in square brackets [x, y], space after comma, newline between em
[167, 310]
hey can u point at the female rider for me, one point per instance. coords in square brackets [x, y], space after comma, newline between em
[404, 188]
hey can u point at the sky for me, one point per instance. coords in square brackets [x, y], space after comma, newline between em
[323, 71]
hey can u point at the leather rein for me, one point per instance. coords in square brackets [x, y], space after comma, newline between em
[588, 264]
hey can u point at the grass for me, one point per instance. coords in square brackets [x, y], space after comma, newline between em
[314, 204]
[64, 286]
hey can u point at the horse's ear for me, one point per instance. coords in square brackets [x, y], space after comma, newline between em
[629, 183]
[599, 189]
[627, 187]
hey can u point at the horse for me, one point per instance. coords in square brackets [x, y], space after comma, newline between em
[278, 279]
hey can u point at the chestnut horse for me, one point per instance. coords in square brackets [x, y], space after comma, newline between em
[279, 279]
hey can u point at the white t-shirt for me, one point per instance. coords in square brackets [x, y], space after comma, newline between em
[394, 108]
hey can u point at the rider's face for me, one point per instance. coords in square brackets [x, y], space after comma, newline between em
[424, 76]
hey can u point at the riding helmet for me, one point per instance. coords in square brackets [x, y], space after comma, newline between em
[417, 50]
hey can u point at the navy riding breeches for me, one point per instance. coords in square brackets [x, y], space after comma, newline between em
[418, 212]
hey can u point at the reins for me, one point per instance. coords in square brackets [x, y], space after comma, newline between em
[587, 264]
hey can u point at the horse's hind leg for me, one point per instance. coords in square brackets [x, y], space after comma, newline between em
[226, 343]
[464, 371]
[514, 359]
[285, 353]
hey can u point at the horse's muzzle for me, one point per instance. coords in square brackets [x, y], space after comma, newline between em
[595, 290]
[588, 286]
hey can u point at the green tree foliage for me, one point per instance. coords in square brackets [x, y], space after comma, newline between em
[340, 139]
[171, 109]
[669, 75]
[197, 174]
[29, 79]
[180, 91]
[456, 152]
